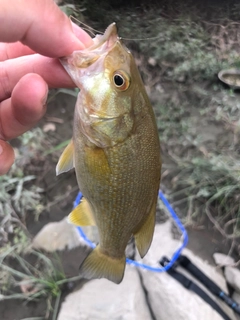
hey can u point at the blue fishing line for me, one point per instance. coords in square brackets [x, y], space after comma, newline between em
[176, 254]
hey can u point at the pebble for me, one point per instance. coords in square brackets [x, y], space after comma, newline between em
[232, 276]
[223, 259]
[57, 236]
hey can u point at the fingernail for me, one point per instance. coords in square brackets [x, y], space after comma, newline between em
[1, 149]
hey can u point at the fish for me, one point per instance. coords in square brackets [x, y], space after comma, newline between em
[115, 151]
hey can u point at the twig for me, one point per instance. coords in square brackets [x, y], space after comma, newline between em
[18, 220]
[217, 225]
[232, 247]
[60, 198]
[229, 223]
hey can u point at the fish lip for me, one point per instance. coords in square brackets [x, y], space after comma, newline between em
[82, 59]
[109, 34]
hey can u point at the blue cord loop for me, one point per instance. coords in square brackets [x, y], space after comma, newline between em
[176, 254]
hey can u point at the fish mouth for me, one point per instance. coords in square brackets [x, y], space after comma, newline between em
[109, 37]
[102, 44]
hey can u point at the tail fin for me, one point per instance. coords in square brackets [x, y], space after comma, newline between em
[99, 265]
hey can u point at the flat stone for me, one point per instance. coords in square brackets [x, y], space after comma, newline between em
[233, 277]
[168, 299]
[101, 299]
[236, 298]
[223, 259]
[57, 236]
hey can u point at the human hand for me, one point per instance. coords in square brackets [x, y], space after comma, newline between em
[32, 35]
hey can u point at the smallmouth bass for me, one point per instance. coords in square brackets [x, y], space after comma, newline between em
[115, 151]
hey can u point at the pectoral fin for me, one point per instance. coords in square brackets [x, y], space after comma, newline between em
[82, 215]
[143, 237]
[65, 162]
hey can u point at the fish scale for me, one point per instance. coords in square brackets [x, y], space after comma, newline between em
[116, 154]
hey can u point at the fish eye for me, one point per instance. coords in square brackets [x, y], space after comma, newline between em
[121, 80]
[118, 80]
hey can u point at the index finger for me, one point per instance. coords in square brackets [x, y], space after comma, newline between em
[13, 50]
[42, 26]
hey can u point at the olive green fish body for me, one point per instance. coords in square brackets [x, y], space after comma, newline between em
[116, 154]
[118, 182]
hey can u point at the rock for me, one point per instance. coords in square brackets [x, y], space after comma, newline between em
[130, 250]
[102, 299]
[57, 236]
[91, 233]
[152, 61]
[168, 299]
[159, 88]
[236, 298]
[50, 126]
[232, 276]
[223, 259]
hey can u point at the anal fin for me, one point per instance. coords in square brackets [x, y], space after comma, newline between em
[82, 215]
[143, 237]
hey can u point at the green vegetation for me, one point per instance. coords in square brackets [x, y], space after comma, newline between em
[18, 193]
[212, 185]
[27, 274]
[42, 279]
